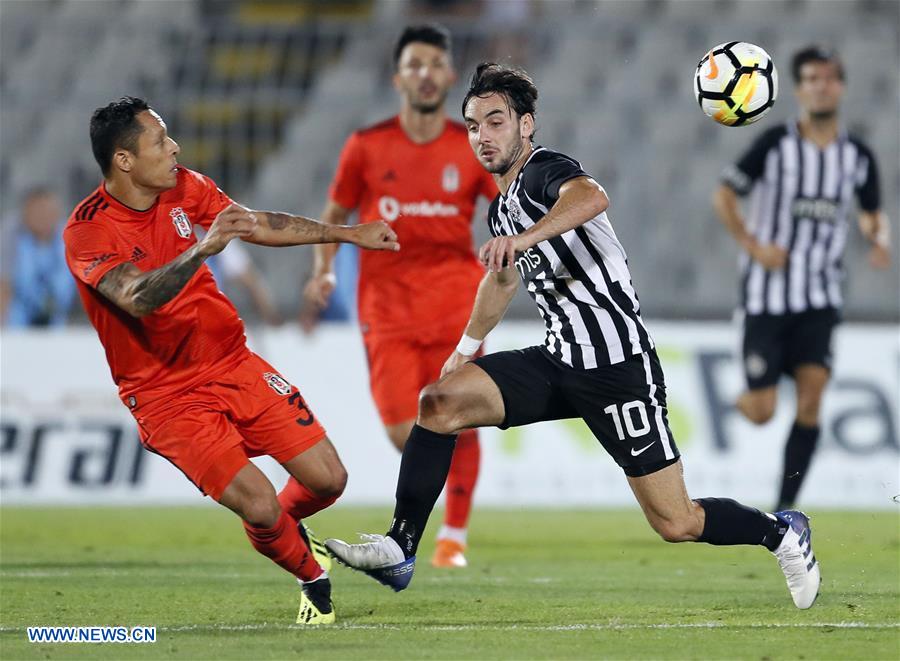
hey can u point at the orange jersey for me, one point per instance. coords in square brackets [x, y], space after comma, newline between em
[192, 338]
[428, 193]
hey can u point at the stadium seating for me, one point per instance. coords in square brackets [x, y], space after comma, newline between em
[261, 96]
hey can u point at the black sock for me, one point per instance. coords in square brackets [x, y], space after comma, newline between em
[729, 523]
[798, 452]
[423, 472]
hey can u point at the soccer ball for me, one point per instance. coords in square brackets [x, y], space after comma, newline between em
[736, 83]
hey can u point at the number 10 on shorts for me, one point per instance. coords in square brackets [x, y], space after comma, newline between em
[628, 416]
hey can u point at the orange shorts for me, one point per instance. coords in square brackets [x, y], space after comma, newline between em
[399, 367]
[210, 432]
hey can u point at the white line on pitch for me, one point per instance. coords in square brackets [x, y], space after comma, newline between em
[275, 626]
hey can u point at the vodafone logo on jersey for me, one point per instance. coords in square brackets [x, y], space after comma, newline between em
[390, 209]
[182, 222]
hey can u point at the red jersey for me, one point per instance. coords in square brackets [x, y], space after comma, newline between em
[192, 338]
[428, 193]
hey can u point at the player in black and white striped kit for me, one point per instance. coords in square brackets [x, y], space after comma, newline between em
[802, 177]
[597, 362]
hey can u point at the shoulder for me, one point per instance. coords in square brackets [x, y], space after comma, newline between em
[770, 138]
[544, 157]
[378, 130]
[861, 146]
[191, 180]
[546, 164]
[88, 209]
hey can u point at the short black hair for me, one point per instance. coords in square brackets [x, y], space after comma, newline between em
[514, 84]
[433, 34]
[815, 53]
[115, 126]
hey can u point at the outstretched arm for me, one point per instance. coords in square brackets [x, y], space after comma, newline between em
[580, 199]
[494, 294]
[281, 229]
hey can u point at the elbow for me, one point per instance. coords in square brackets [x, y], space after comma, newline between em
[723, 198]
[136, 307]
[136, 310]
[600, 203]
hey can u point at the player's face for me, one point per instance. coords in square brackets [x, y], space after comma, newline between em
[424, 76]
[820, 88]
[497, 135]
[155, 165]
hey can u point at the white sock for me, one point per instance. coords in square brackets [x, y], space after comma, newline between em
[324, 574]
[455, 534]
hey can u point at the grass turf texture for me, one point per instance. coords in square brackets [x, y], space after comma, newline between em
[541, 584]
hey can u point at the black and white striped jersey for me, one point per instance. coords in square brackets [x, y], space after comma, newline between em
[800, 199]
[580, 279]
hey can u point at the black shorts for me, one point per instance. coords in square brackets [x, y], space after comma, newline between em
[624, 405]
[775, 344]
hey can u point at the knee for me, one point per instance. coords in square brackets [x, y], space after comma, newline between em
[758, 410]
[333, 486]
[438, 410]
[261, 511]
[760, 415]
[677, 530]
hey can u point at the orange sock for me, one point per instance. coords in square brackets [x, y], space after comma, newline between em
[283, 544]
[300, 502]
[461, 479]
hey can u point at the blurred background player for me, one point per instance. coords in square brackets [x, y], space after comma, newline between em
[176, 346]
[36, 288]
[802, 176]
[417, 171]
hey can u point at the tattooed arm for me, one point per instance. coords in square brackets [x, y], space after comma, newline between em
[281, 229]
[140, 293]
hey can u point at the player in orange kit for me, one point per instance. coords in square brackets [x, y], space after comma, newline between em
[416, 171]
[176, 346]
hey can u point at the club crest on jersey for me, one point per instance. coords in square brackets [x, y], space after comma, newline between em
[450, 178]
[182, 222]
[277, 383]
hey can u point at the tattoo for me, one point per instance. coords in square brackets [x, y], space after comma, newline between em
[277, 221]
[294, 230]
[141, 293]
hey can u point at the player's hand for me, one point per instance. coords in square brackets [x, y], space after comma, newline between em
[454, 362]
[234, 221]
[880, 257]
[772, 257]
[319, 289]
[500, 252]
[375, 236]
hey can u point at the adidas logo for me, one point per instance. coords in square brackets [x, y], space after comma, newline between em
[137, 254]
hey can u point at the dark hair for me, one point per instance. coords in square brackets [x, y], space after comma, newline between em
[815, 53]
[514, 84]
[115, 126]
[429, 33]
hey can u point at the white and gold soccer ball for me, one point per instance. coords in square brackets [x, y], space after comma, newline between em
[736, 83]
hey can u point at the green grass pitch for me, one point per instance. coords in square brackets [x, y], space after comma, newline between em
[541, 584]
